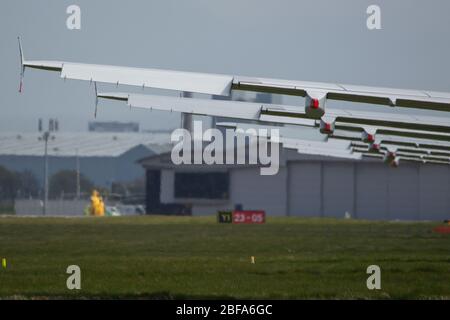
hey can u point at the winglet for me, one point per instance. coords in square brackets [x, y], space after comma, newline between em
[96, 100]
[22, 65]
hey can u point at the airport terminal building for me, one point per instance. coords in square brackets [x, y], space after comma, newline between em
[306, 186]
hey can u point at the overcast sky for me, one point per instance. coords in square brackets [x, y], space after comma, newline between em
[313, 40]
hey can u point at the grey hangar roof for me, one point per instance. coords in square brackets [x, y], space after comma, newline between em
[83, 144]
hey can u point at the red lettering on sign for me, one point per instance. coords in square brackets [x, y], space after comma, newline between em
[254, 216]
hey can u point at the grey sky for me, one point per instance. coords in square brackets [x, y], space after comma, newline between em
[303, 40]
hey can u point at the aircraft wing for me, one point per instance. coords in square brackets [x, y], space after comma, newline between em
[217, 108]
[335, 91]
[384, 119]
[411, 150]
[222, 85]
[304, 145]
[408, 158]
[384, 139]
[214, 84]
[146, 78]
[397, 131]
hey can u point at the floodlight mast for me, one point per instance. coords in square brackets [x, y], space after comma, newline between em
[45, 137]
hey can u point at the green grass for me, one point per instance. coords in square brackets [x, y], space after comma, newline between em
[184, 257]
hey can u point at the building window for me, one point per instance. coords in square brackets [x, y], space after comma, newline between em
[212, 185]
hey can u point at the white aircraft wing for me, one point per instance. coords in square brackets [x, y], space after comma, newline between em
[222, 85]
[335, 91]
[150, 78]
[404, 154]
[206, 107]
[304, 145]
[402, 148]
[153, 78]
[214, 84]
[397, 131]
[387, 139]
[342, 116]
[407, 158]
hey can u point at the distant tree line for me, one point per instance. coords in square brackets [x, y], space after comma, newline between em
[13, 184]
[24, 184]
[64, 183]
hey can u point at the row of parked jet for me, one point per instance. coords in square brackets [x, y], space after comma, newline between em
[345, 133]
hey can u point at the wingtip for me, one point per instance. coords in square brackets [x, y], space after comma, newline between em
[96, 100]
[20, 50]
[22, 65]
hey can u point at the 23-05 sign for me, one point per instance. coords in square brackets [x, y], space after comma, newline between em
[242, 217]
[256, 216]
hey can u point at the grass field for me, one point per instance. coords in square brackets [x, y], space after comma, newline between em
[185, 257]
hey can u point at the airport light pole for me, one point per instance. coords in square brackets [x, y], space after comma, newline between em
[52, 126]
[45, 137]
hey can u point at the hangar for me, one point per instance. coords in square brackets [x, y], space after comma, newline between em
[312, 186]
[103, 157]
